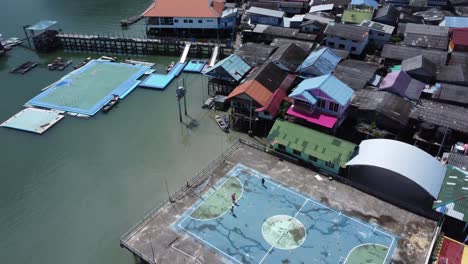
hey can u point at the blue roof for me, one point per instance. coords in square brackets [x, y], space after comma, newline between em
[456, 22]
[233, 65]
[325, 60]
[42, 25]
[372, 3]
[328, 84]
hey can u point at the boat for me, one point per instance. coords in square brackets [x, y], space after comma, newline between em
[107, 58]
[25, 67]
[11, 42]
[220, 121]
[131, 20]
[209, 103]
[170, 66]
[59, 64]
[111, 103]
[83, 63]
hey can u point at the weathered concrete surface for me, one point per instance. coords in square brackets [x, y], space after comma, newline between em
[415, 232]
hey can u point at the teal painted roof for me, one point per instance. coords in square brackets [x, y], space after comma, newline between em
[451, 199]
[325, 60]
[233, 65]
[328, 84]
[311, 142]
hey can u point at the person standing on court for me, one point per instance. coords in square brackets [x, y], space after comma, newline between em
[232, 209]
[263, 181]
[233, 197]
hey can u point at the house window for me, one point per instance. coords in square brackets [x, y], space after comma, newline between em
[354, 41]
[185, 21]
[380, 34]
[321, 103]
[353, 48]
[331, 44]
[281, 146]
[176, 20]
[200, 21]
[312, 158]
[341, 46]
[296, 152]
[209, 20]
[342, 38]
[329, 164]
[266, 113]
[333, 107]
[190, 21]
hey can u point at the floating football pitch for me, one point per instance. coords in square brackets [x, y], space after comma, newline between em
[273, 224]
[86, 90]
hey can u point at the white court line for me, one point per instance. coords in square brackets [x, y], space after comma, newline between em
[208, 243]
[208, 219]
[268, 252]
[388, 251]
[186, 254]
[349, 253]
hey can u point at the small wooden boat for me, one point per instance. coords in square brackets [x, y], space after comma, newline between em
[209, 103]
[170, 66]
[83, 63]
[25, 67]
[115, 100]
[220, 121]
[59, 64]
[127, 22]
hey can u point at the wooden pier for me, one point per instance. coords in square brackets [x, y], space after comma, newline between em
[138, 46]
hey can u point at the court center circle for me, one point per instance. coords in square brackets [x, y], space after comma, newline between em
[283, 232]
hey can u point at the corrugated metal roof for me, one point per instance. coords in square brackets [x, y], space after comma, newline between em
[324, 60]
[311, 142]
[455, 22]
[396, 52]
[265, 12]
[404, 159]
[318, 8]
[233, 65]
[355, 73]
[328, 84]
[402, 84]
[453, 196]
[440, 114]
[346, 31]
[42, 25]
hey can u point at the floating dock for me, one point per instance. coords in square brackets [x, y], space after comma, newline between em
[195, 66]
[129, 21]
[85, 90]
[161, 81]
[34, 120]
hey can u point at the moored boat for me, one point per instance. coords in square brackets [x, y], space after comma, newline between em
[11, 42]
[25, 67]
[170, 66]
[115, 100]
[220, 121]
[59, 64]
[209, 103]
[83, 63]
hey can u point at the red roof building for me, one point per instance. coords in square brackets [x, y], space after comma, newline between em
[459, 39]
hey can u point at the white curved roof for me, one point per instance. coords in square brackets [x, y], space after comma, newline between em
[404, 159]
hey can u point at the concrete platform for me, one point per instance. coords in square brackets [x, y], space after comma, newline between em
[156, 234]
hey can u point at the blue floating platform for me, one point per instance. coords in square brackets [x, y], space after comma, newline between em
[177, 69]
[86, 90]
[195, 66]
[157, 81]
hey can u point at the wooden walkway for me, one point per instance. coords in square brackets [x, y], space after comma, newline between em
[111, 44]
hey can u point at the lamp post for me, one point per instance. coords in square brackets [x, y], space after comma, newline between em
[180, 93]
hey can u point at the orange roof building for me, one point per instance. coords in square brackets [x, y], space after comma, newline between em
[191, 17]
